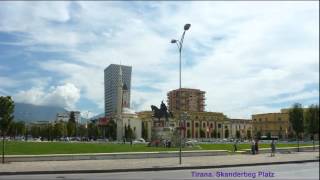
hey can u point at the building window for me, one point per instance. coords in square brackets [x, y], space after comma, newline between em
[188, 124]
[279, 119]
[197, 125]
[219, 125]
[204, 125]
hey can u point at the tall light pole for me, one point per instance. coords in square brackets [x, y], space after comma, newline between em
[87, 124]
[180, 45]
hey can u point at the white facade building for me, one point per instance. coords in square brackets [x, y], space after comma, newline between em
[65, 116]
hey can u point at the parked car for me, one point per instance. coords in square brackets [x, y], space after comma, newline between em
[139, 141]
[191, 142]
[64, 139]
[102, 140]
[37, 139]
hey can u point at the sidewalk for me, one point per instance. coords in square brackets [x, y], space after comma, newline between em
[153, 164]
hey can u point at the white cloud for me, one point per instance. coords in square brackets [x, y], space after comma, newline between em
[63, 96]
[243, 54]
[8, 82]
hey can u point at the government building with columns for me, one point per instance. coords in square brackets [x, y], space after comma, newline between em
[189, 106]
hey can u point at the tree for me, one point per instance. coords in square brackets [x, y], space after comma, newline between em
[12, 130]
[72, 125]
[258, 134]
[130, 133]
[112, 129]
[35, 131]
[82, 131]
[202, 134]
[125, 132]
[73, 120]
[312, 121]
[296, 120]
[50, 132]
[20, 128]
[188, 133]
[248, 134]
[144, 131]
[46, 131]
[214, 133]
[93, 131]
[70, 128]
[280, 135]
[6, 117]
[226, 133]
[238, 134]
[269, 135]
[59, 130]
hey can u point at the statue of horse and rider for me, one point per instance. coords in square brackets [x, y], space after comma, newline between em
[162, 112]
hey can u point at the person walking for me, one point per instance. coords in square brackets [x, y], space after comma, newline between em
[273, 148]
[257, 146]
[253, 149]
[235, 148]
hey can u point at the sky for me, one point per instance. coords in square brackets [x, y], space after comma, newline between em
[249, 57]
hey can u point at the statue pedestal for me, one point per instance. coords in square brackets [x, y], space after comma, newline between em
[161, 133]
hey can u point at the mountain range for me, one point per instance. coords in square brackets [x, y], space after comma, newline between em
[32, 113]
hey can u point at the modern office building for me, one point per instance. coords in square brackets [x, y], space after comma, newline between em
[185, 99]
[111, 84]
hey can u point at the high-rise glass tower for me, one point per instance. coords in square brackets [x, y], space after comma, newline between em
[111, 83]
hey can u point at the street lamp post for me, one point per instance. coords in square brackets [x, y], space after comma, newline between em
[87, 128]
[180, 45]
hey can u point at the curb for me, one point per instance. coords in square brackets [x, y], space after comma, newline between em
[152, 168]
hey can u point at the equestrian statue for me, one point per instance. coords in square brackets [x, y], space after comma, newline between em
[162, 112]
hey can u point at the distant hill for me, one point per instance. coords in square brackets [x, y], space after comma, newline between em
[97, 116]
[32, 113]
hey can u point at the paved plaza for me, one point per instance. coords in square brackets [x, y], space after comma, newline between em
[118, 165]
[306, 171]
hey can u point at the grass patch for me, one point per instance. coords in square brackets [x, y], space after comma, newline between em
[33, 148]
[37, 148]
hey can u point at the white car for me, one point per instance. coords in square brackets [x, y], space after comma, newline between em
[191, 142]
[139, 141]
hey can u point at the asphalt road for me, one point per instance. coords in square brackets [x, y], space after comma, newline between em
[306, 171]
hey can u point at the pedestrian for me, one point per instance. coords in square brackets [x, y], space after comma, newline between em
[235, 148]
[273, 148]
[253, 149]
[257, 146]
